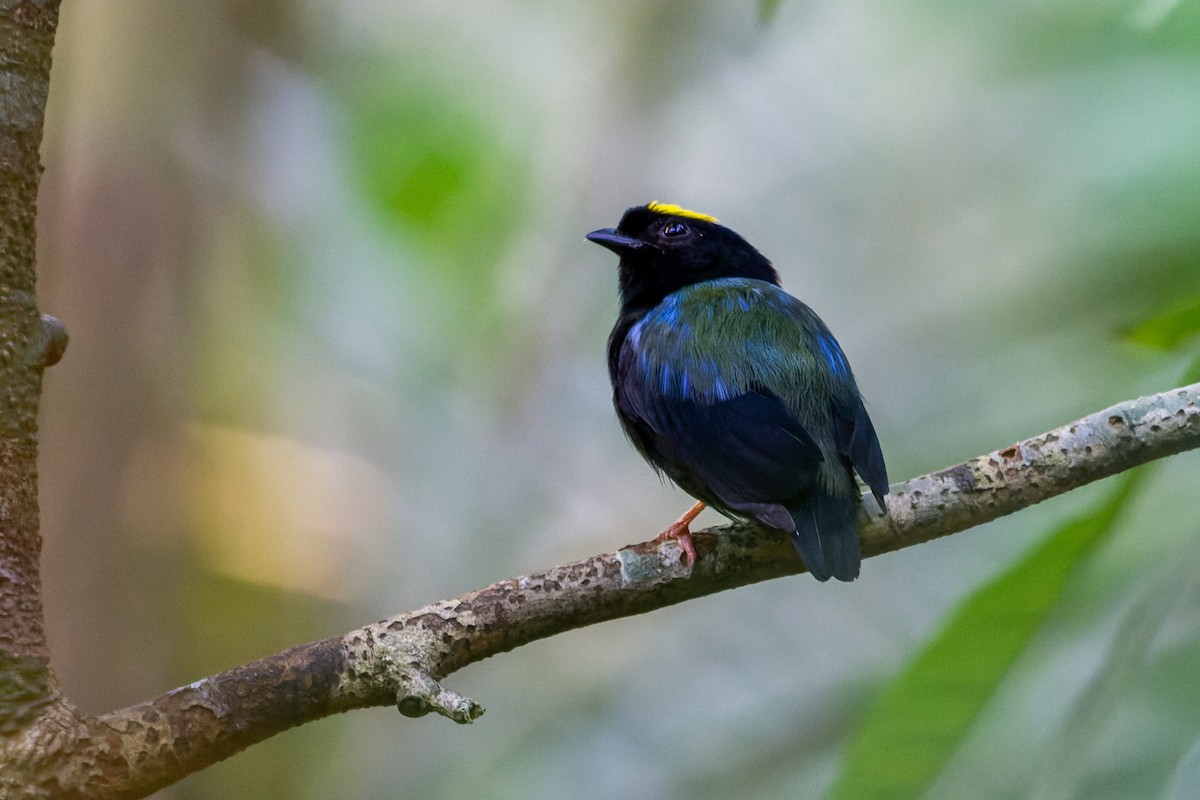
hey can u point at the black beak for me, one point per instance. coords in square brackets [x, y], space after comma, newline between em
[608, 237]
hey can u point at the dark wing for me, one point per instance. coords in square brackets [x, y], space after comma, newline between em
[745, 454]
[856, 440]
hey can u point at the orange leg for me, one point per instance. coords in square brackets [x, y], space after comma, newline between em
[679, 530]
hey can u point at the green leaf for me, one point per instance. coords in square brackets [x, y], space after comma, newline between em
[918, 721]
[1168, 330]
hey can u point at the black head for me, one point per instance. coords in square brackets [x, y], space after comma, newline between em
[664, 248]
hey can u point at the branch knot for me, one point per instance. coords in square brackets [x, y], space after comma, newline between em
[420, 694]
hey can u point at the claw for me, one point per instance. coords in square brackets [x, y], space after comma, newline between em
[679, 531]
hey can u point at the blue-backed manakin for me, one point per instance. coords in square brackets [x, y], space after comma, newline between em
[735, 389]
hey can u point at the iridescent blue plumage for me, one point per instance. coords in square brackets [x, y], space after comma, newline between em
[736, 390]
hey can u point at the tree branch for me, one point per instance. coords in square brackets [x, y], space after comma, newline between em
[27, 345]
[400, 660]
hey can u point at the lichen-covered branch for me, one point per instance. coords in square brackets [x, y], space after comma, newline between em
[401, 660]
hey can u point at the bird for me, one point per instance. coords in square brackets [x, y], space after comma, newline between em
[735, 390]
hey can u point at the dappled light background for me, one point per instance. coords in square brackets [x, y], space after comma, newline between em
[337, 351]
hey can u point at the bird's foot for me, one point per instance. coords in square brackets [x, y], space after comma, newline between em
[680, 532]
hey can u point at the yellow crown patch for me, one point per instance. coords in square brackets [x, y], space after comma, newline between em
[674, 210]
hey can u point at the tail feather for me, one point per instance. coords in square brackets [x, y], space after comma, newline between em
[826, 537]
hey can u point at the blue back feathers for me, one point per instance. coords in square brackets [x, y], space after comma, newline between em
[742, 396]
[714, 340]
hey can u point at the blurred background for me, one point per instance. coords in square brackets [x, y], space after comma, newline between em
[337, 351]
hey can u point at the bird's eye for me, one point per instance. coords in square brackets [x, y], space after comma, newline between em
[673, 229]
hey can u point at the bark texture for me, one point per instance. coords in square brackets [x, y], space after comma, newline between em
[26, 344]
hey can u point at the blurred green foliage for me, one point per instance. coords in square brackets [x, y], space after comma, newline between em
[1171, 328]
[433, 170]
[922, 716]
[767, 9]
